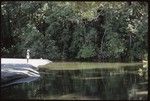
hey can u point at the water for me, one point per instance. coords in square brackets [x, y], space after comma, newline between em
[122, 83]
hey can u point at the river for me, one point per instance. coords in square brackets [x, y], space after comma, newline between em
[83, 81]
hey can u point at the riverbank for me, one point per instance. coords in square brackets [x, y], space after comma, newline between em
[85, 65]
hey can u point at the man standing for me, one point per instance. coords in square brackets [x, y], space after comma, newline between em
[28, 55]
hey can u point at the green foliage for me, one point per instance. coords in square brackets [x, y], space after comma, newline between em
[116, 46]
[88, 48]
[75, 30]
[87, 51]
[40, 45]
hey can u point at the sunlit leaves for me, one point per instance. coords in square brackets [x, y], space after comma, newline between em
[73, 29]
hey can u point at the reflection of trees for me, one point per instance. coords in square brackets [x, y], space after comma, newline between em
[116, 87]
[47, 84]
[110, 83]
[12, 91]
[106, 84]
[102, 83]
[143, 72]
[139, 90]
[21, 91]
[63, 82]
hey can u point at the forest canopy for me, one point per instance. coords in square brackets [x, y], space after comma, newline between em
[87, 31]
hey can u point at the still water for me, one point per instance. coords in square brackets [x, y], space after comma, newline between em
[124, 83]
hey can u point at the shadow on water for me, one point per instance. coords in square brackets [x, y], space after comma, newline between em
[117, 84]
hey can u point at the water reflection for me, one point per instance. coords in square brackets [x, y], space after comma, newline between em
[92, 84]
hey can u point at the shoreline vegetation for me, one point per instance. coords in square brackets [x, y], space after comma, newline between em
[85, 65]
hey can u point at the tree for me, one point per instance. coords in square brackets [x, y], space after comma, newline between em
[102, 31]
